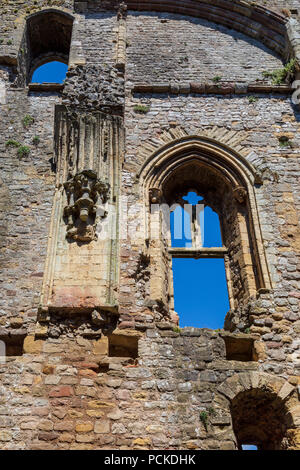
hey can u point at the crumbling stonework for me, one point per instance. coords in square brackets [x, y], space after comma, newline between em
[83, 88]
[157, 99]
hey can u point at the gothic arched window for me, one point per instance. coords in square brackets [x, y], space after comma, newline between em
[225, 183]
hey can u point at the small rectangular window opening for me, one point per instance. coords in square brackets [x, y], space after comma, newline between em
[103, 368]
[11, 346]
[239, 348]
[123, 346]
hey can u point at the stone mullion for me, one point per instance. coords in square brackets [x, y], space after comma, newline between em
[245, 258]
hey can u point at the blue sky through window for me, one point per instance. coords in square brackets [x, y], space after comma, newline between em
[200, 292]
[52, 72]
[200, 286]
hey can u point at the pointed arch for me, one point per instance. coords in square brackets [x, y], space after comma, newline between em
[227, 182]
[237, 166]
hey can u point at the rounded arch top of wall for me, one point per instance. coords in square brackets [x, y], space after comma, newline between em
[255, 21]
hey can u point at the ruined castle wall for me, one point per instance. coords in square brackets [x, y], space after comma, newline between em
[281, 6]
[60, 397]
[13, 14]
[27, 184]
[259, 125]
[97, 33]
[67, 390]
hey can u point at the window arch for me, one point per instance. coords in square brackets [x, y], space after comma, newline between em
[47, 38]
[263, 408]
[259, 418]
[226, 181]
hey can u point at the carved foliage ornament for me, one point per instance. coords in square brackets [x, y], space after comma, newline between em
[83, 192]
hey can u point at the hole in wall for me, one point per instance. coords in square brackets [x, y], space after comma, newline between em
[14, 349]
[103, 368]
[249, 447]
[239, 349]
[123, 346]
[259, 418]
[11, 346]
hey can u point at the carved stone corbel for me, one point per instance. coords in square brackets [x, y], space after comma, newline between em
[122, 11]
[240, 194]
[83, 192]
[155, 195]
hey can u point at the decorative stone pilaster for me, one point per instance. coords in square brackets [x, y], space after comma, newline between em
[121, 37]
[82, 264]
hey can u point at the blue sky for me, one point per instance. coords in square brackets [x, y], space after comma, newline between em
[200, 288]
[53, 72]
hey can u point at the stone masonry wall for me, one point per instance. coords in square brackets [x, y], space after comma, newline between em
[177, 53]
[260, 124]
[97, 32]
[67, 387]
[27, 183]
[67, 393]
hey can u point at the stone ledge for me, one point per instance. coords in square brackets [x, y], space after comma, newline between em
[6, 333]
[41, 87]
[209, 88]
[235, 366]
[8, 59]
